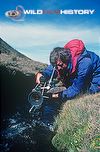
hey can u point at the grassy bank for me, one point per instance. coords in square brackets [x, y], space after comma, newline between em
[77, 125]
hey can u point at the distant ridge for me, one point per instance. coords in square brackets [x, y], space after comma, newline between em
[13, 59]
[7, 49]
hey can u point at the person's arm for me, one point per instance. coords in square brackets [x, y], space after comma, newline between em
[46, 73]
[84, 71]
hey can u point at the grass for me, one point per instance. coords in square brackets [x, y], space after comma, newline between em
[23, 64]
[77, 125]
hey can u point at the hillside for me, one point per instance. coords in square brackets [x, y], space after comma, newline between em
[17, 79]
[13, 59]
[78, 125]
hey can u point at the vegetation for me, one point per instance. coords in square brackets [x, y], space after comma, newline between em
[78, 125]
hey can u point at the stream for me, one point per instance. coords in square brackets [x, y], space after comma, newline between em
[18, 129]
[21, 134]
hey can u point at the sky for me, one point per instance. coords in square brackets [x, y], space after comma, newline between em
[35, 35]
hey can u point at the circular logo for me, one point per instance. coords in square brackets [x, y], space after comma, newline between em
[17, 14]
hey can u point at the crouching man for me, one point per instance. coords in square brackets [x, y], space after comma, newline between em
[76, 67]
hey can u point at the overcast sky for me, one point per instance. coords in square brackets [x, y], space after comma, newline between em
[36, 35]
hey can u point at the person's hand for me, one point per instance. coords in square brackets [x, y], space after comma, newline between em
[38, 76]
[55, 95]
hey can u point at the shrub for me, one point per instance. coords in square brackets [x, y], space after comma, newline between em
[14, 59]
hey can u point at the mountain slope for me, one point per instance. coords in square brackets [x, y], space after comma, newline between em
[15, 60]
[5, 48]
[17, 78]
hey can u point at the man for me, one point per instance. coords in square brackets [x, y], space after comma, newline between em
[77, 68]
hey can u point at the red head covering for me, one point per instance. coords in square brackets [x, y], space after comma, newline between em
[76, 47]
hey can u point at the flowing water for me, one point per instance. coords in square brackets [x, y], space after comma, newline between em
[20, 134]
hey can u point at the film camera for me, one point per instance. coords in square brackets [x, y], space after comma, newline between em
[42, 91]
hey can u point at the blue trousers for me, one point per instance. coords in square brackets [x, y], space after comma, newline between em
[50, 111]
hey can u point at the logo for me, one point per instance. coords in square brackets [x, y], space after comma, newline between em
[17, 14]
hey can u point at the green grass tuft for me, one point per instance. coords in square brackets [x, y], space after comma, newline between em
[78, 125]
